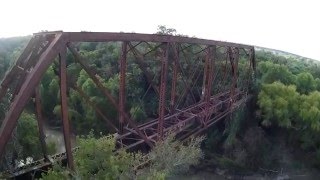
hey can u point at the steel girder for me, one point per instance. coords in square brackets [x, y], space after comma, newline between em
[186, 105]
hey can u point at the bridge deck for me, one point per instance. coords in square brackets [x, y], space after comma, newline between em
[179, 122]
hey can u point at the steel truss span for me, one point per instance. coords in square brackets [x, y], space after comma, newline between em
[195, 83]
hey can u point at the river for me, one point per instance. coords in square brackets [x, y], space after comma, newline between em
[55, 135]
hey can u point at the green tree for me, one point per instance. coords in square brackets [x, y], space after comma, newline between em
[50, 92]
[279, 104]
[96, 159]
[162, 29]
[28, 136]
[310, 110]
[138, 113]
[271, 72]
[306, 83]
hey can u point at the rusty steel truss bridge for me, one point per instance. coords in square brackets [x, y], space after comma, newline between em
[196, 82]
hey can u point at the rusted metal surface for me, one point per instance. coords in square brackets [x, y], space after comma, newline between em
[27, 89]
[64, 106]
[197, 79]
[234, 59]
[180, 122]
[208, 73]
[107, 36]
[207, 81]
[42, 44]
[122, 85]
[16, 68]
[40, 123]
[106, 92]
[163, 85]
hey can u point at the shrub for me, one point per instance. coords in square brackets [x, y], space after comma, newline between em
[98, 159]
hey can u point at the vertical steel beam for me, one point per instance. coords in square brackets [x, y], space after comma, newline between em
[174, 78]
[234, 58]
[225, 69]
[122, 86]
[236, 63]
[207, 82]
[163, 84]
[212, 56]
[230, 58]
[206, 74]
[40, 123]
[253, 59]
[253, 63]
[64, 106]
[250, 69]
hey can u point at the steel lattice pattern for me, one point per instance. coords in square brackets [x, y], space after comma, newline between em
[196, 83]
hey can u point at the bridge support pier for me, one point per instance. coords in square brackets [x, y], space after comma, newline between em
[208, 80]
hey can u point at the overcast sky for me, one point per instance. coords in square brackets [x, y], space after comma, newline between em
[288, 25]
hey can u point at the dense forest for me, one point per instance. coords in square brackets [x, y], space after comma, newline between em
[283, 115]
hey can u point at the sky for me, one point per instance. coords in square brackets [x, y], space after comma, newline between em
[288, 25]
